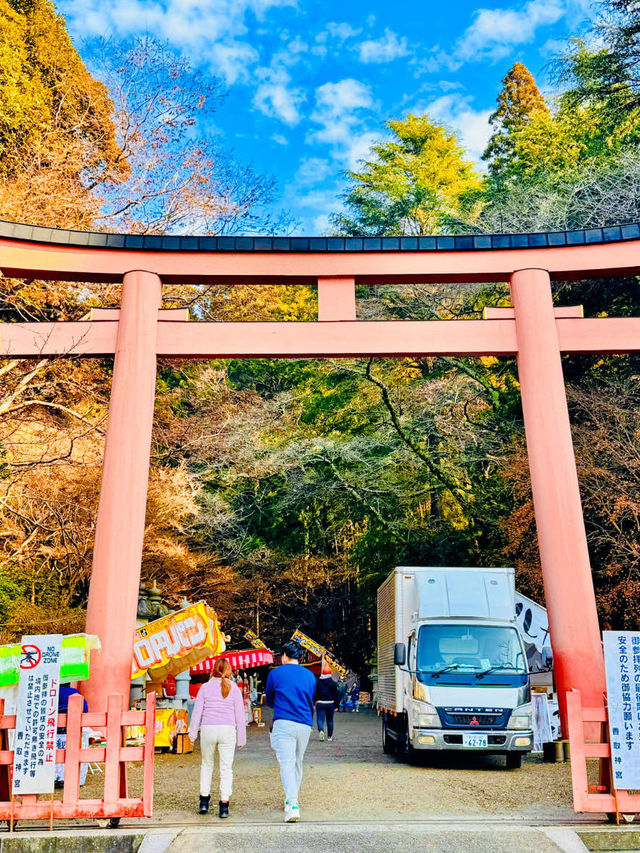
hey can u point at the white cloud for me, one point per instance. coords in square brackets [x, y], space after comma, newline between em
[341, 32]
[279, 139]
[343, 112]
[494, 32]
[338, 112]
[385, 49]
[274, 98]
[313, 170]
[471, 126]
[212, 32]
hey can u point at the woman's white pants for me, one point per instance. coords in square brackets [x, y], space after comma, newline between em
[224, 737]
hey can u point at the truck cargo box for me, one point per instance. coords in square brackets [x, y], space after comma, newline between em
[413, 593]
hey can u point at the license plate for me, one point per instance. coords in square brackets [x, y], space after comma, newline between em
[475, 741]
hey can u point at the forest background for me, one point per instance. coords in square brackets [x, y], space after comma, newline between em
[284, 492]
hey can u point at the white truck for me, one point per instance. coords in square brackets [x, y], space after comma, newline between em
[452, 667]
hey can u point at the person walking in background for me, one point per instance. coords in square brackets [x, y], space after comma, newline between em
[327, 700]
[290, 691]
[342, 693]
[354, 695]
[220, 717]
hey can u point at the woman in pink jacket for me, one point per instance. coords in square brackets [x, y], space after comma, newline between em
[219, 715]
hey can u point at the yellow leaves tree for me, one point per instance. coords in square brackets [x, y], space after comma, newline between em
[418, 182]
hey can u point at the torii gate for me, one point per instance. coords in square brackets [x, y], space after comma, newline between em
[140, 332]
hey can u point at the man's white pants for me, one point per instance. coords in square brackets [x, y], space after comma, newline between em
[289, 741]
[224, 737]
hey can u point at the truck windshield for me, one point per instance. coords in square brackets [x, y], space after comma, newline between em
[470, 649]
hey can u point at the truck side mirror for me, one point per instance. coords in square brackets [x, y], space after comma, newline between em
[399, 654]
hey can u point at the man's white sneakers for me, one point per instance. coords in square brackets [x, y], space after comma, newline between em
[321, 736]
[291, 813]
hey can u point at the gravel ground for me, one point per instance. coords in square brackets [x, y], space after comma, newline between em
[352, 780]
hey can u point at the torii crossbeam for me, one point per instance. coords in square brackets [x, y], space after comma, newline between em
[140, 331]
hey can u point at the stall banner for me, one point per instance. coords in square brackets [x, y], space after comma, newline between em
[319, 651]
[245, 659]
[622, 666]
[254, 639]
[34, 762]
[541, 721]
[174, 643]
[533, 623]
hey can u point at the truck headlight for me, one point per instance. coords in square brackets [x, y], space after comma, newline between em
[427, 721]
[521, 717]
[425, 716]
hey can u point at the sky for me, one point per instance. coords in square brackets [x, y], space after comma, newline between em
[312, 82]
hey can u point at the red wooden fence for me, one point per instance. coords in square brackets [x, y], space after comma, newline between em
[602, 797]
[115, 802]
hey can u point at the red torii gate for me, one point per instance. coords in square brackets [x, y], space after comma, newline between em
[140, 332]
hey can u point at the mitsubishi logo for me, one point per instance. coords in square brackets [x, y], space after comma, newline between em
[474, 722]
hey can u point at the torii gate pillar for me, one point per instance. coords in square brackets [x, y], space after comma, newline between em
[573, 619]
[117, 554]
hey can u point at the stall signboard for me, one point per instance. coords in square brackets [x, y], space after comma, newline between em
[174, 643]
[318, 650]
[34, 762]
[243, 659]
[622, 664]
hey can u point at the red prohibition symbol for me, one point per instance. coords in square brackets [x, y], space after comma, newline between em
[30, 657]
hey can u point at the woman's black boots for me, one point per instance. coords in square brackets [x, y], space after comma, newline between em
[204, 805]
[223, 809]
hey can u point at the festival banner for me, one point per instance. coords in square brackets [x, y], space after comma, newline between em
[318, 650]
[34, 762]
[254, 639]
[174, 643]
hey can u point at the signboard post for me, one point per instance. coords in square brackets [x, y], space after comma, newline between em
[34, 761]
[622, 664]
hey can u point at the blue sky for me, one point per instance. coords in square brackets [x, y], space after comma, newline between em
[311, 83]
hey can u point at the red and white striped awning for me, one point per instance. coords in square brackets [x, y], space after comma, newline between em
[244, 659]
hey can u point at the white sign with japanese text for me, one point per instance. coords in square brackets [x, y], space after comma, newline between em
[622, 664]
[34, 761]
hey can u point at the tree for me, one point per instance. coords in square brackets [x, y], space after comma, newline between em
[416, 183]
[518, 101]
[180, 177]
[605, 69]
[57, 136]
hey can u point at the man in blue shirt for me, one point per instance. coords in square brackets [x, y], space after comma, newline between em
[291, 691]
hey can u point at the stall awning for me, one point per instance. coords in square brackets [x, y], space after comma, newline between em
[244, 659]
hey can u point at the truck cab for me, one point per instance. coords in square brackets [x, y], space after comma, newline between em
[461, 680]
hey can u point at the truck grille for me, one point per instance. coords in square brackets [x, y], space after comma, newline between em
[474, 718]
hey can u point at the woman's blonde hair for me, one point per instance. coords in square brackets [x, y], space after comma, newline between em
[222, 669]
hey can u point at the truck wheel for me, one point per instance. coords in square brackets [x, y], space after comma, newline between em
[406, 751]
[514, 760]
[388, 744]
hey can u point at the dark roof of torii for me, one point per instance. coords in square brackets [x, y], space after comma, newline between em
[100, 240]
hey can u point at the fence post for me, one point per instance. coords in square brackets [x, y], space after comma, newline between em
[149, 752]
[112, 769]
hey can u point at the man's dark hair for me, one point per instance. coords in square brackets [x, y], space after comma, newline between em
[292, 650]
